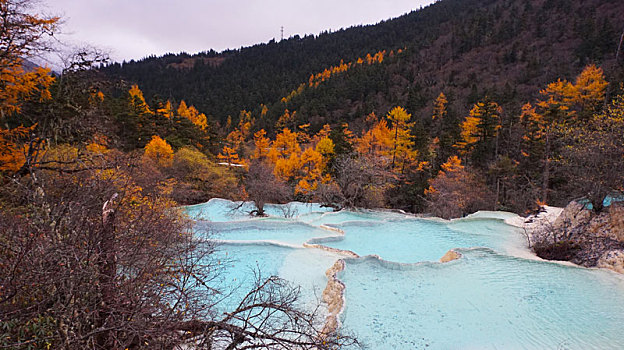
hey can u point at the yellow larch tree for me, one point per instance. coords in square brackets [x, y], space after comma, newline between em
[229, 156]
[262, 145]
[563, 104]
[287, 120]
[21, 36]
[192, 114]
[284, 154]
[325, 147]
[376, 142]
[137, 101]
[439, 107]
[403, 152]
[159, 151]
[479, 131]
[285, 144]
[563, 101]
[12, 148]
[311, 166]
[287, 168]
[469, 135]
[166, 110]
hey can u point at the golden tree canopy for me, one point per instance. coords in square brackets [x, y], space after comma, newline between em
[160, 151]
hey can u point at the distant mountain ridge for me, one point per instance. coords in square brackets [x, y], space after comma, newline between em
[507, 49]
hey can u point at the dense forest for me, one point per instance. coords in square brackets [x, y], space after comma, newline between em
[507, 49]
[461, 106]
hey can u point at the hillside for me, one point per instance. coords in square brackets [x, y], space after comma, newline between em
[507, 49]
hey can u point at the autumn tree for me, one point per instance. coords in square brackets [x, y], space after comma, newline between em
[310, 172]
[326, 148]
[199, 179]
[287, 120]
[403, 152]
[159, 151]
[479, 132]
[229, 156]
[593, 158]
[262, 145]
[578, 100]
[137, 101]
[457, 191]
[21, 36]
[561, 105]
[439, 107]
[285, 155]
[166, 110]
[192, 114]
[376, 142]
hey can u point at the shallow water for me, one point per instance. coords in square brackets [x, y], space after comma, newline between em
[302, 267]
[415, 240]
[399, 297]
[483, 301]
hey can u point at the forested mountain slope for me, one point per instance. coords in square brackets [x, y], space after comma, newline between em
[507, 49]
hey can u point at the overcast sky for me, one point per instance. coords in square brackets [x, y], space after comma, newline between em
[133, 29]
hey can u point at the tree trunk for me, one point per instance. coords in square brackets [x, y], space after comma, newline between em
[546, 175]
[107, 271]
[396, 136]
[497, 194]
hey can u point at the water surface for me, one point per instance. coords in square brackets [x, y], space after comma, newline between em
[399, 297]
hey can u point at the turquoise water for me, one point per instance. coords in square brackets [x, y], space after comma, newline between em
[399, 297]
[483, 301]
[287, 232]
[415, 240]
[221, 210]
[302, 267]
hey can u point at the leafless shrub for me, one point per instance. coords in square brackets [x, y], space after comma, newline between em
[89, 261]
[263, 187]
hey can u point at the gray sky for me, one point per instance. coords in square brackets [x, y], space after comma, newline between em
[132, 29]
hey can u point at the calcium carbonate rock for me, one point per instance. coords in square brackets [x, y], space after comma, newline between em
[333, 296]
[573, 216]
[616, 221]
[450, 256]
[612, 260]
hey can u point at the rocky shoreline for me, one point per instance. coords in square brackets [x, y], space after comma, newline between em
[578, 235]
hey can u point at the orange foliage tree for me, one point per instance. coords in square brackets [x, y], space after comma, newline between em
[562, 105]
[192, 114]
[159, 151]
[479, 132]
[12, 148]
[376, 142]
[137, 101]
[165, 110]
[262, 145]
[229, 156]
[439, 107]
[21, 35]
[403, 152]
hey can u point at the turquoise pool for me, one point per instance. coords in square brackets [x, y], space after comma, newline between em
[398, 296]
